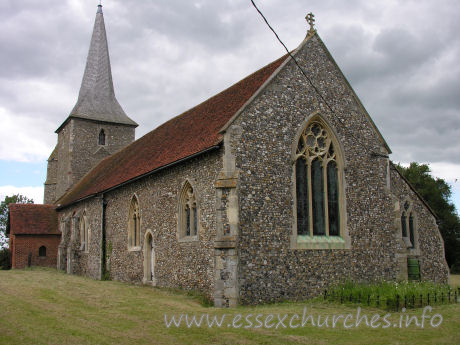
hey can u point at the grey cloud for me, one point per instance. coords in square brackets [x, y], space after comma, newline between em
[168, 56]
[213, 25]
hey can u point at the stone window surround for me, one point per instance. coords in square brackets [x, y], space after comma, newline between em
[412, 248]
[84, 232]
[134, 209]
[100, 129]
[320, 242]
[66, 230]
[181, 225]
[148, 260]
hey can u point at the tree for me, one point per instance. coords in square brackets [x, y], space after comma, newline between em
[15, 199]
[437, 193]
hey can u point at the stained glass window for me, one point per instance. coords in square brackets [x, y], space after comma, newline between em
[333, 198]
[317, 191]
[187, 220]
[317, 183]
[302, 196]
[195, 220]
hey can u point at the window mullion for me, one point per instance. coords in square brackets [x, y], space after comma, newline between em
[138, 229]
[326, 204]
[84, 232]
[407, 226]
[192, 220]
[134, 230]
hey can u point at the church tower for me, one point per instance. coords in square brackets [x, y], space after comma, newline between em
[96, 127]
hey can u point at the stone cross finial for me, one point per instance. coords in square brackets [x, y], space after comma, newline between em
[311, 21]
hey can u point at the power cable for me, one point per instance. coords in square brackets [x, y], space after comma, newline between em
[372, 153]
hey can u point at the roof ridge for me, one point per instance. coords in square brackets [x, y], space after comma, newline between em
[215, 95]
[189, 133]
[32, 219]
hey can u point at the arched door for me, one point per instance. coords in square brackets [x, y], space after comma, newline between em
[149, 259]
[152, 258]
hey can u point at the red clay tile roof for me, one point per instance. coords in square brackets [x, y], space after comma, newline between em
[185, 135]
[33, 219]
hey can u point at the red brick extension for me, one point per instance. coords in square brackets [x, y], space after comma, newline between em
[32, 226]
[22, 245]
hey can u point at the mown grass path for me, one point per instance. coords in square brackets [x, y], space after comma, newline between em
[42, 306]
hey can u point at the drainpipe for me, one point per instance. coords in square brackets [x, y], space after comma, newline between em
[103, 249]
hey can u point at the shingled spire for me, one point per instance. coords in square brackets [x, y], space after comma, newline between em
[96, 100]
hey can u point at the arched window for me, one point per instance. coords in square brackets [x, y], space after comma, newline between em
[403, 225]
[42, 251]
[188, 212]
[102, 137]
[84, 233]
[134, 225]
[317, 182]
[408, 225]
[411, 230]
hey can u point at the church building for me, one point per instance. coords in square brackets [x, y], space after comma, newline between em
[273, 189]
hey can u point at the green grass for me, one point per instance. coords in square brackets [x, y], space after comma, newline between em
[42, 306]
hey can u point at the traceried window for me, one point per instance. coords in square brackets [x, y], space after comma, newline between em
[134, 225]
[188, 213]
[317, 183]
[84, 233]
[102, 137]
[408, 225]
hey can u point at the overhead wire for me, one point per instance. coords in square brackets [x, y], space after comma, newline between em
[374, 154]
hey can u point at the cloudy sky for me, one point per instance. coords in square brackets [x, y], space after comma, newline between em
[401, 57]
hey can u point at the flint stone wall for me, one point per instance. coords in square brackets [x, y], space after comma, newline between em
[269, 268]
[429, 246]
[184, 264]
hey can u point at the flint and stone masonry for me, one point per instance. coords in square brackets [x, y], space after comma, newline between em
[246, 250]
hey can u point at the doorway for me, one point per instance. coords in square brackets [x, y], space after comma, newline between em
[149, 259]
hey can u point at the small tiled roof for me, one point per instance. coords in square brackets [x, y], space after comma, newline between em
[33, 219]
[190, 133]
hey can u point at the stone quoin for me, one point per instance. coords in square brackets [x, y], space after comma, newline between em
[267, 191]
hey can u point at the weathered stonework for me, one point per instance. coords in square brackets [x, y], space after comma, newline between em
[188, 265]
[429, 246]
[247, 250]
[269, 269]
[97, 108]
[72, 257]
[78, 151]
[51, 178]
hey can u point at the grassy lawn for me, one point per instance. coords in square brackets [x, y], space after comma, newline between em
[42, 306]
